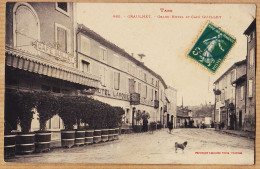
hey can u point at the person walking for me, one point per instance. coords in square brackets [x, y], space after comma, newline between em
[170, 126]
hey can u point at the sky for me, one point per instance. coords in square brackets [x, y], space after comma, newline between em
[166, 41]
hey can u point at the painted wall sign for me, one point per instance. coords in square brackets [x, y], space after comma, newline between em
[57, 54]
[113, 94]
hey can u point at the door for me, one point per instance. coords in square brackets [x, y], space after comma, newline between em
[133, 117]
[240, 119]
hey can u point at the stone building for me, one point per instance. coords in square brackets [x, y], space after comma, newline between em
[225, 102]
[40, 53]
[249, 119]
[240, 88]
[46, 50]
[125, 81]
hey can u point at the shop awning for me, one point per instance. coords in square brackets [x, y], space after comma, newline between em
[33, 63]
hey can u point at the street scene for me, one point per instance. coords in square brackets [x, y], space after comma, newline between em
[155, 148]
[138, 83]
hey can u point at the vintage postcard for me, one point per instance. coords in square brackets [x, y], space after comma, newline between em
[130, 83]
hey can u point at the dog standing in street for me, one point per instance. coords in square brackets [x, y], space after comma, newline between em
[181, 146]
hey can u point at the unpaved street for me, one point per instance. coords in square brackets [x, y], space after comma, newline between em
[204, 146]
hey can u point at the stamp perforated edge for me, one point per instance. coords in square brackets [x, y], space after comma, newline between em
[204, 25]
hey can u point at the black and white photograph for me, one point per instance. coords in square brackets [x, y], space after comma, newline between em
[130, 83]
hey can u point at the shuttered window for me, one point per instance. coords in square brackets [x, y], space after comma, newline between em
[116, 80]
[251, 57]
[26, 28]
[62, 39]
[250, 88]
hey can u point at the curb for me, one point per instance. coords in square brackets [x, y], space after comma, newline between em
[233, 134]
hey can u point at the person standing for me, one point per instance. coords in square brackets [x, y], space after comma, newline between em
[170, 126]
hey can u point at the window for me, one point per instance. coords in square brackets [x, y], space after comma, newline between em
[116, 61]
[217, 85]
[152, 81]
[225, 81]
[84, 45]
[103, 54]
[85, 66]
[155, 95]
[151, 94]
[62, 7]
[62, 38]
[133, 70]
[128, 67]
[145, 79]
[250, 88]
[103, 76]
[249, 38]
[251, 57]
[226, 94]
[139, 87]
[222, 96]
[145, 92]
[253, 34]
[116, 80]
[26, 27]
[140, 74]
[241, 92]
[233, 75]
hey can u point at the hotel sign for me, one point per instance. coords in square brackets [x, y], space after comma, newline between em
[112, 94]
[57, 54]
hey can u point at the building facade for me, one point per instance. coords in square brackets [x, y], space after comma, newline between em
[249, 120]
[40, 53]
[125, 81]
[171, 95]
[240, 88]
[46, 50]
[225, 101]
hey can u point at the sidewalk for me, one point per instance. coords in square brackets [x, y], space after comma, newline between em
[247, 134]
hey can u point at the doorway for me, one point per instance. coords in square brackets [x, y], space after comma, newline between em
[240, 119]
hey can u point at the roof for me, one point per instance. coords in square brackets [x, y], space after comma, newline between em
[232, 67]
[240, 79]
[183, 112]
[250, 28]
[172, 88]
[82, 28]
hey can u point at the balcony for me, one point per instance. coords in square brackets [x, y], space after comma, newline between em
[165, 108]
[134, 98]
[156, 104]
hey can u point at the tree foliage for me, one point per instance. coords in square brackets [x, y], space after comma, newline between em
[47, 107]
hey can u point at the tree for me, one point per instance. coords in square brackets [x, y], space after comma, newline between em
[47, 107]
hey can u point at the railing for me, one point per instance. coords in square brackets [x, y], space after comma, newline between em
[134, 98]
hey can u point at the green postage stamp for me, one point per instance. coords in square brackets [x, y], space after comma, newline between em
[212, 47]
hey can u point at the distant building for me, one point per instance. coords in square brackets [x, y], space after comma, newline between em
[203, 115]
[171, 95]
[183, 116]
[249, 119]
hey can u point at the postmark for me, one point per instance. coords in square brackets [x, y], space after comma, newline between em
[212, 47]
